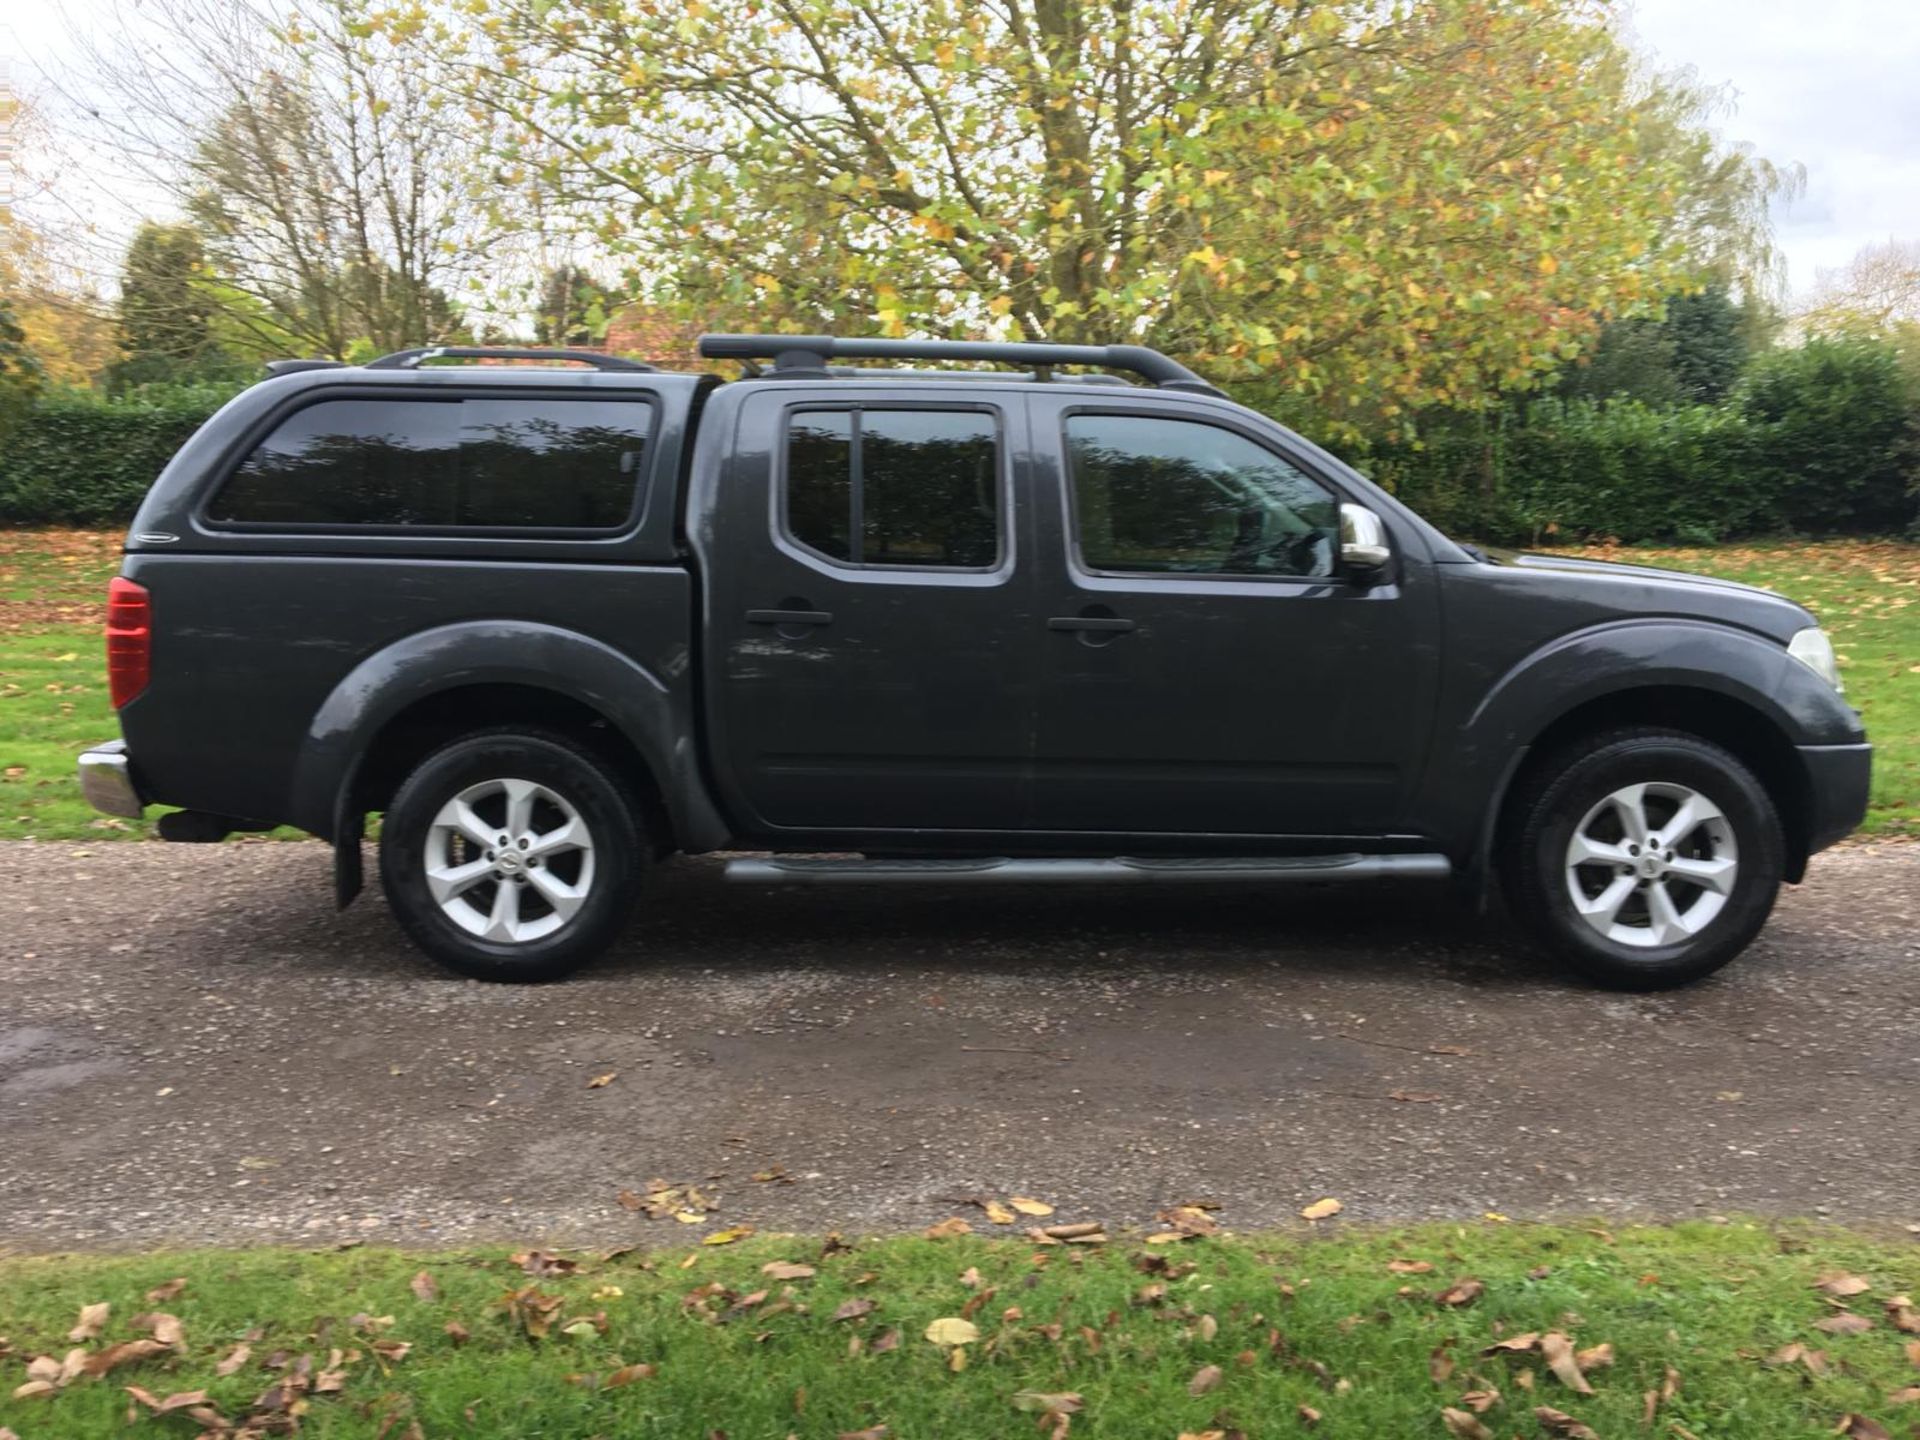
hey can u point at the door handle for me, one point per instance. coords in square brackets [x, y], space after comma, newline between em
[1106, 624]
[789, 617]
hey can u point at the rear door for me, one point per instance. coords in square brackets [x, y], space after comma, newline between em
[1208, 669]
[870, 620]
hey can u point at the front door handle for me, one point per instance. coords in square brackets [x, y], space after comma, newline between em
[789, 617]
[1105, 624]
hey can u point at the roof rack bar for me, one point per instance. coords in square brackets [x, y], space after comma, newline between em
[413, 359]
[807, 355]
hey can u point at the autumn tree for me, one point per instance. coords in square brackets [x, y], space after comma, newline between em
[332, 181]
[1377, 206]
[1875, 293]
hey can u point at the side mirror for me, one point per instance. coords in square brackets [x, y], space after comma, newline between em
[1364, 548]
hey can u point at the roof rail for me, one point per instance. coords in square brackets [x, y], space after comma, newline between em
[413, 359]
[806, 356]
[295, 367]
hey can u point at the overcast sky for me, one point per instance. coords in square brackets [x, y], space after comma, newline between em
[1831, 84]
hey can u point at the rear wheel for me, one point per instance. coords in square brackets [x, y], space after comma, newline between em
[1644, 858]
[511, 856]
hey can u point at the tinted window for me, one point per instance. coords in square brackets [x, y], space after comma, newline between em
[1174, 497]
[475, 464]
[896, 487]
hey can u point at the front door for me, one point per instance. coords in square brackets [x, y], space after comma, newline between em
[1209, 669]
[869, 615]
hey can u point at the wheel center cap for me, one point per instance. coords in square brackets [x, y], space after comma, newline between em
[1651, 866]
[509, 861]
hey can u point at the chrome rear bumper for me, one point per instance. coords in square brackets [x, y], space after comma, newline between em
[107, 781]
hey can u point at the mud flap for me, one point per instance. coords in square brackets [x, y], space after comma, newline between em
[348, 871]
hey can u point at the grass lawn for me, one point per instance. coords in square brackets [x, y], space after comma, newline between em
[1728, 1332]
[53, 694]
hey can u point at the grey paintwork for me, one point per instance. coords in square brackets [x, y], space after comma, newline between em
[938, 712]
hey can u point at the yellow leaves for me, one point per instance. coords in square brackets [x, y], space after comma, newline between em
[1000, 304]
[1549, 265]
[600, 1082]
[947, 1229]
[1060, 208]
[727, 1236]
[767, 284]
[934, 226]
[1027, 1205]
[998, 1213]
[951, 1330]
[1322, 1209]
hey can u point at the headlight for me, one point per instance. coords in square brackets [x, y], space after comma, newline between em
[1813, 649]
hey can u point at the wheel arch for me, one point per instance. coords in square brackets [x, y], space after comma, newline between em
[1744, 730]
[428, 688]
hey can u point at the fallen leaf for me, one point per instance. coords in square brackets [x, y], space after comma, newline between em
[93, 1319]
[1204, 1379]
[600, 1082]
[1902, 1315]
[626, 1375]
[1908, 1396]
[1561, 1423]
[1842, 1285]
[128, 1352]
[1481, 1401]
[947, 1229]
[727, 1236]
[1414, 1097]
[33, 1389]
[1080, 1230]
[456, 1332]
[1815, 1361]
[886, 1340]
[392, 1351]
[952, 1330]
[854, 1309]
[972, 1279]
[178, 1401]
[1845, 1323]
[1463, 1426]
[423, 1287]
[786, 1270]
[1440, 1363]
[164, 1328]
[1597, 1357]
[1322, 1209]
[236, 1357]
[630, 1200]
[997, 1213]
[1205, 1328]
[161, 1294]
[1522, 1344]
[1859, 1427]
[1558, 1352]
[1410, 1267]
[1461, 1292]
[1064, 1402]
[1913, 1351]
[872, 1432]
[1309, 1416]
[1027, 1205]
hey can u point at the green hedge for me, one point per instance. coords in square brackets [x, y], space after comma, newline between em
[1818, 439]
[78, 459]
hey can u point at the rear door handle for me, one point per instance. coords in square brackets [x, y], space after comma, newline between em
[1111, 624]
[789, 617]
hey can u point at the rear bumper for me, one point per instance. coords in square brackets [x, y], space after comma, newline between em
[1838, 780]
[106, 779]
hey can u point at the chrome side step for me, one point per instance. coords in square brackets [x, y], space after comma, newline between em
[1201, 870]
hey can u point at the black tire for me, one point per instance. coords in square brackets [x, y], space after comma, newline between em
[568, 775]
[1540, 878]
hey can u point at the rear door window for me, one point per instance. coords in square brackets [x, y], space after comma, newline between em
[896, 487]
[473, 463]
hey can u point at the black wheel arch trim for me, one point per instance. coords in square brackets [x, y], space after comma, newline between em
[1605, 663]
[652, 715]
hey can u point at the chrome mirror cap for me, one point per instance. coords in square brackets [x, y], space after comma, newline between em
[1363, 539]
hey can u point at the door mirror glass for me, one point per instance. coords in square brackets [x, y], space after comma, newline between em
[1364, 548]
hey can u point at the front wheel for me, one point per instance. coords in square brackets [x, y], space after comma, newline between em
[511, 856]
[1644, 858]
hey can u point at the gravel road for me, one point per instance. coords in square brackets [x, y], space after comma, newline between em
[195, 1048]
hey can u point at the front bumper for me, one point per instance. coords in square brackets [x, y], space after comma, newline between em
[1839, 778]
[106, 779]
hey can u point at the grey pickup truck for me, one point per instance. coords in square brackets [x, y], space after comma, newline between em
[1069, 616]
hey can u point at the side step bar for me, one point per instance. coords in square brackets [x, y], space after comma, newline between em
[801, 870]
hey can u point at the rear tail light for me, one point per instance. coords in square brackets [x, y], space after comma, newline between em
[129, 639]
